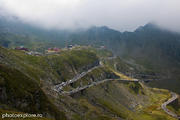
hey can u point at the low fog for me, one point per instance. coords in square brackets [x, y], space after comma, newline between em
[122, 15]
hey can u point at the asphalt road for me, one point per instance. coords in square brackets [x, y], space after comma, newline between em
[93, 84]
[59, 88]
[163, 106]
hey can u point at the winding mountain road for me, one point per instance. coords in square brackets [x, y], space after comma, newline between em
[59, 87]
[164, 106]
[94, 84]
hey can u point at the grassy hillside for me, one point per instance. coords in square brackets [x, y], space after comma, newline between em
[24, 94]
[150, 46]
[60, 66]
[115, 100]
[22, 78]
[26, 83]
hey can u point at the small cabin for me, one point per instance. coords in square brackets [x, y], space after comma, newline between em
[22, 48]
[70, 46]
[53, 50]
[102, 47]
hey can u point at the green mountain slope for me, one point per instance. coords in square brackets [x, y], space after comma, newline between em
[26, 84]
[29, 80]
[150, 46]
[22, 78]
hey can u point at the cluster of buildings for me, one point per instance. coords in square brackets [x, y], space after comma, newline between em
[57, 50]
[28, 52]
[48, 51]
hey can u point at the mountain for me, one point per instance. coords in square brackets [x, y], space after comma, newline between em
[14, 32]
[155, 49]
[150, 46]
[75, 84]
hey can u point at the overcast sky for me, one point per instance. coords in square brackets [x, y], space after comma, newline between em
[118, 14]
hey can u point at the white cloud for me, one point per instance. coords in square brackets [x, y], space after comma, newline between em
[118, 14]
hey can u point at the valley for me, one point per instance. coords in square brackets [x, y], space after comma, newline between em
[89, 74]
[87, 88]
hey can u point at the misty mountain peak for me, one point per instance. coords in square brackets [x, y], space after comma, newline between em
[102, 29]
[148, 26]
[151, 25]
